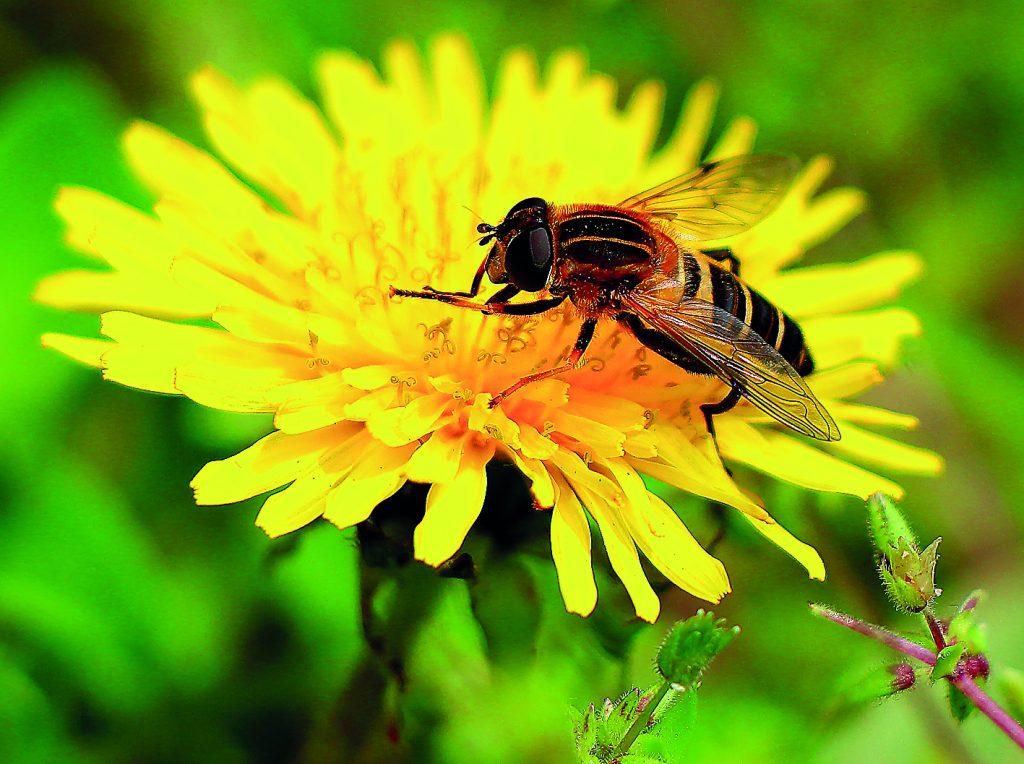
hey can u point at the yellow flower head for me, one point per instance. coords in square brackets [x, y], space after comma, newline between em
[368, 393]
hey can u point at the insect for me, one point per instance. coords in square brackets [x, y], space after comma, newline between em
[640, 263]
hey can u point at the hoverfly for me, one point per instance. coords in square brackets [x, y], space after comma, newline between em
[639, 263]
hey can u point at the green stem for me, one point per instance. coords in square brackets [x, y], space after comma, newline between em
[642, 719]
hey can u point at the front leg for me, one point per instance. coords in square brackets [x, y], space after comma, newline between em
[474, 288]
[497, 304]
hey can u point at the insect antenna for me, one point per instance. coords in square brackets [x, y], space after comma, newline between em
[482, 227]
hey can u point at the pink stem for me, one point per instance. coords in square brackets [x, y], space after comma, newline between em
[989, 707]
[961, 681]
[877, 633]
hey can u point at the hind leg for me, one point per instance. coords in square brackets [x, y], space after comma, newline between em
[713, 409]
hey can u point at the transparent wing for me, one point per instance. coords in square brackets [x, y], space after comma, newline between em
[736, 354]
[719, 199]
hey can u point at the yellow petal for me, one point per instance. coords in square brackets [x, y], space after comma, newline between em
[828, 213]
[571, 552]
[404, 424]
[578, 472]
[453, 507]
[845, 287]
[870, 448]
[610, 410]
[97, 292]
[665, 541]
[458, 91]
[861, 413]
[177, 170]
[541, 487]
[691, 469]
[310, 404]
[273, 323]
[272, 134]
[846, 380]
[875, 335]
[804, 554]
[593, 435]
[438, 459]
[738, 139]
[306, 499]
[377, 475]
[494, 423]
[622, 552]
[795, 461]
[124, 237]
[269, 463]
[210, 366]
[82, 349]
[683, 150]
[534, 445]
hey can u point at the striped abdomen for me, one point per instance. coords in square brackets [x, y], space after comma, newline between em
[775, 327]
[605, 239]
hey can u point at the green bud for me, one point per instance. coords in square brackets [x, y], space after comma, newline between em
[877, 683]
[887, 524]
[691, 646]
[600, 730]
[907, 572]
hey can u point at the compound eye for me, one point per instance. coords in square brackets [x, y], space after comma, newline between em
[528, 259]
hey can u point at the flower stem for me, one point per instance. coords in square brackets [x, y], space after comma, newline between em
[905, 646]
[640, 723]
[989, 707]
[938, 635]
[1010, 726]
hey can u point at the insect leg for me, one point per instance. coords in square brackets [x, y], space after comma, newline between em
[712, 409]
[474, 288]
[724, 255]
[499, 304]
[582, 341]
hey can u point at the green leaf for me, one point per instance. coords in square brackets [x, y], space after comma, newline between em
[959, 704]
[947, 659]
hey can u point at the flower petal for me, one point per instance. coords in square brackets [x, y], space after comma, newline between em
[804, 554]
[665, 541]
[795, 461]
[453, 507]
[269, 463]
[699, 471]
[869, 448]
[621, 551]
[404, 424]
[825, 289]
[876, 335]
[571, 551]
[83, 350]
[306, 499]
[99, 292]
[377, 474]
[437, 460]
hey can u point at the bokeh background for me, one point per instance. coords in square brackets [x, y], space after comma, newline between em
[137, 627]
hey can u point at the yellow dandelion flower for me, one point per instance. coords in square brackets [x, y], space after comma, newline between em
[368, 392]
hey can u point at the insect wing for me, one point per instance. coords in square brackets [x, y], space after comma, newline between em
[719, 199]
[737, 355]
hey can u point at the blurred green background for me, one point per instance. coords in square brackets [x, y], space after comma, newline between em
[137, 627]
